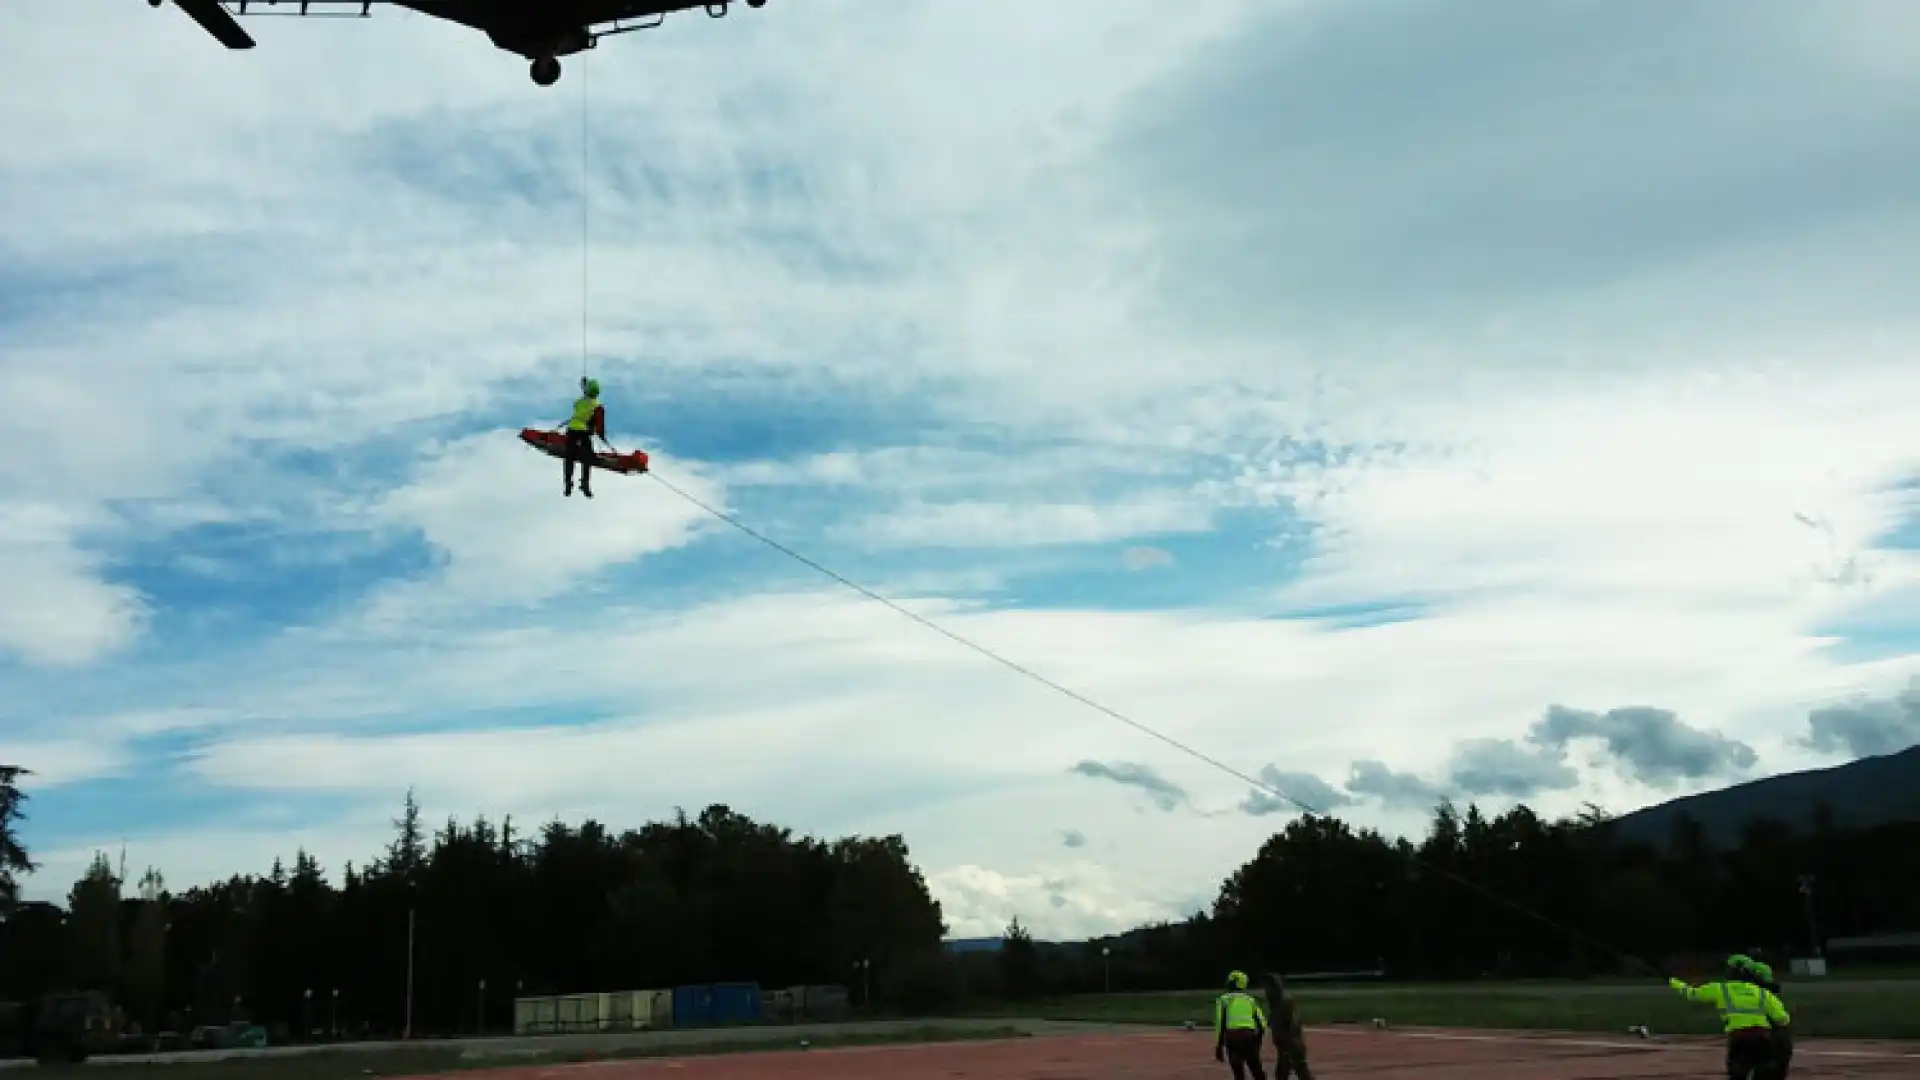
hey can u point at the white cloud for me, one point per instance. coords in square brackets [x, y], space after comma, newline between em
[974, 525]
[493, 508]
[199, 855]
[57, 607]
[1670, 491]
[57, 762]
[1145, 558]
[1071, 900]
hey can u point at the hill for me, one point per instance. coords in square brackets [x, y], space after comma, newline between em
[1870, 791]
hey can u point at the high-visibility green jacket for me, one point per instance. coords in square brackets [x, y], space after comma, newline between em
[1742, 1005]
[586, 411]
[1763, 978]
[1237, 1011]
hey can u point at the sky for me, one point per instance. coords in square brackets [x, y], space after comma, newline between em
[1389, 399]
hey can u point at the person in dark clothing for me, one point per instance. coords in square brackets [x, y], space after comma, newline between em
[588, 420]
[1289, 1038]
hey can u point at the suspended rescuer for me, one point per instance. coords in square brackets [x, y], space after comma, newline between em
[1289, 1039]
[1238, 1029]
[1749, 1014]
[1761, 974]
[588, 420]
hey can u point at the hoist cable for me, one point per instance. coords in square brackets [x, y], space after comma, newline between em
[1144, 729]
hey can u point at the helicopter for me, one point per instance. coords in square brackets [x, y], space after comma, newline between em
[543, 31]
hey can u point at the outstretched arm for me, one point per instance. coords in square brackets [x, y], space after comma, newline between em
[1709, 994]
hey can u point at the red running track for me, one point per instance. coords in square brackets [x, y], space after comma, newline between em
[1336, 1053]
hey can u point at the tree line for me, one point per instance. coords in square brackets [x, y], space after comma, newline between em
[492, 914]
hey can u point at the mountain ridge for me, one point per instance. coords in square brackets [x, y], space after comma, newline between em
[1864, 792]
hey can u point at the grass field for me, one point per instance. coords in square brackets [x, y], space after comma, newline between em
[1882, 1009]
[424, 1061]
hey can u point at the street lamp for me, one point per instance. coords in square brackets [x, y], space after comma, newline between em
[410, 925]
[306, 1014]
[865, 967]
[480, 1010]
[1813, 928]
[1106, 967]
[333, 1018]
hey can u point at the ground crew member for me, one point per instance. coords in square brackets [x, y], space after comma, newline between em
[589, 419]
[1748, 1013]
[1289, 1040]
[1762, 975]
[1238, 1029]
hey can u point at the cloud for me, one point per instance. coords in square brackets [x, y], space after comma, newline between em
[59, 608]
[1302, 208]
[1867, 728]
[974, 524]
[1145, 558]
[59, 762]
[1317, 795]
[1373, 779]
[1074, 838]
[1072, 901]
[1163, 792]
[490, 507]
[1505, 768]
[1652, 744]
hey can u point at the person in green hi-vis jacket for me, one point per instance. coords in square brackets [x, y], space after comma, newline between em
[1748, 1014]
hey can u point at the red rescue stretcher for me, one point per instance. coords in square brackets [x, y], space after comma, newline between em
[554, 444]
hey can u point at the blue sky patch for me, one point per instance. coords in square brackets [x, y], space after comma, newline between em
[1355, 616]
[227, 584]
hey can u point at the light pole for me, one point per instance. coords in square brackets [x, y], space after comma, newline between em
[480, 1010]
[410, 923]
[1106, 967]
[306, 1014]
[1813, 927]
[159, 998]
[865, 968]
[333, 1018]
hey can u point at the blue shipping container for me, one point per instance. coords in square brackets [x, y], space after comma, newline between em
[692, 1006]
[736, 1003]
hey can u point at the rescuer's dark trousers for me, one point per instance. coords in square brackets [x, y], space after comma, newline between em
[1782, 1053]
[1751, 1055]
[580, 449]
[1243, 1054]
[1290, 1057]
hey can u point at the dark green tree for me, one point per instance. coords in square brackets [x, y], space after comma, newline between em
[14, 861]
[1019, 963]
[94, 938]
